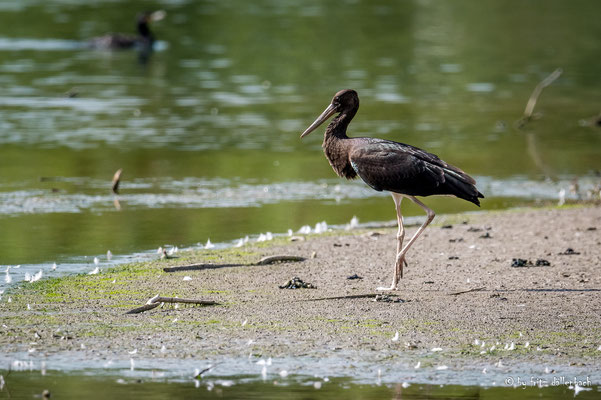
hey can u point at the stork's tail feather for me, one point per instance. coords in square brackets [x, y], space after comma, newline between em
[463, 188]
[476, 200]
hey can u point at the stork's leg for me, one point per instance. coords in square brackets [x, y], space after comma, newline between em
[399, 217]
[398, 267]
[400, 235]
[400, 258]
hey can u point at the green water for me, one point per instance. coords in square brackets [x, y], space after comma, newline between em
[27, 386]
[207, 131]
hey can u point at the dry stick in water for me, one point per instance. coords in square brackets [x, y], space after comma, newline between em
[157, 300]
[536, 157]
[535, 94]
[116, 180]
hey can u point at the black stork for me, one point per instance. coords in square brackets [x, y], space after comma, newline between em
[402, 169]
[144, 40]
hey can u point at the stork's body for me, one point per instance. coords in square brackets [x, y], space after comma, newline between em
[403, 170]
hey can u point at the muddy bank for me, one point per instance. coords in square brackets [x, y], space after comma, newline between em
[518, 289]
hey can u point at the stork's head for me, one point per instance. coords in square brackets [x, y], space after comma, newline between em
[343, 101]
[146, 18]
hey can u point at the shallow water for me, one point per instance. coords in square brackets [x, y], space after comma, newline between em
[23, 386]
[275, 382]
[207, 129]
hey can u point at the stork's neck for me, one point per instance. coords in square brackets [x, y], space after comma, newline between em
[337, 127]
[336, 144]
[144, 30]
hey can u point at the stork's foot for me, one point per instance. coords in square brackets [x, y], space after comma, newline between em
[400, 262]
[387, 289]
[398, 273]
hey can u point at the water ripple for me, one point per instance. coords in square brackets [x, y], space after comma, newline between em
[80, 104]
[15, 44]
[222, 193]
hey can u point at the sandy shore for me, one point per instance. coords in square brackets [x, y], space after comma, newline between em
[460, 304]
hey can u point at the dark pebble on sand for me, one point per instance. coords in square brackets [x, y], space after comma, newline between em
[297, 283]
[386, 298]
[569, 252]
[355, 276]
[519, 262]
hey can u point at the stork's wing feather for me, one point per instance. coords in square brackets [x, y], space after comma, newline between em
[401, 168]
[393, 166]
[433, 159]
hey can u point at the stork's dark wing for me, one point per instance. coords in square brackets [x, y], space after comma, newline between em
[401, 168]
[393, 166]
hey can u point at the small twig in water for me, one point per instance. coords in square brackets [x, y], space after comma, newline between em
[5, 383]
[534, 97]
[200, 373]
[116, 180]
[597, 120]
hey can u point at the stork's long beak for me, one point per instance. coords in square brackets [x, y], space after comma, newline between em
[327, 113]
[158, 15]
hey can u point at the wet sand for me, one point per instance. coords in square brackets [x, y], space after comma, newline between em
[461, 305]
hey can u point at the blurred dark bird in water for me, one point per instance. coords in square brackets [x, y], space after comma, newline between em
[403, 170]
[144, 39]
